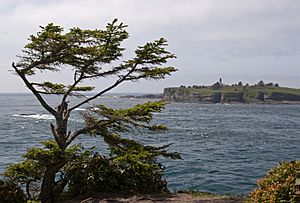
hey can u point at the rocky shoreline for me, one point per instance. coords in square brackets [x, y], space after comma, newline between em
[245, 95]
[171, 197]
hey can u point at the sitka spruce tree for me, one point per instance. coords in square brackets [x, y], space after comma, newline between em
[91, 55]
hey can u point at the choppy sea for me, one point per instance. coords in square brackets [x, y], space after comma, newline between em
[225, 148]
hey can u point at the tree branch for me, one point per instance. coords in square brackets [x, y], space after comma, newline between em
[87, 129]
[35, 92]
[75, 135]
[57, 139]
[76, 81]
[123, 78]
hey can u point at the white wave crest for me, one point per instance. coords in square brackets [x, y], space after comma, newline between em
[35, 116]
[79, 109]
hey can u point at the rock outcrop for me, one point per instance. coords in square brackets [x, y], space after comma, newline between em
[175, 94]
[277, 96]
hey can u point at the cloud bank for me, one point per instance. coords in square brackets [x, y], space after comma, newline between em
[235, 39]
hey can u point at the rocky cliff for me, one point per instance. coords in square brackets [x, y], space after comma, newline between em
[230, 95]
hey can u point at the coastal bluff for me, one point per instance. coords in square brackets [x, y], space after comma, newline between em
[219, 93]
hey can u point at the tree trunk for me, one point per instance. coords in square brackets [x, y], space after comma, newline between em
[60, 134]
[48, 185]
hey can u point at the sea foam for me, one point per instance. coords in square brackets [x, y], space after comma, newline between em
[35, 116]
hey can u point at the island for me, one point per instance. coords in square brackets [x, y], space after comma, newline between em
[261, 92]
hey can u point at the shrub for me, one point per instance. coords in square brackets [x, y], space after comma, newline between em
[10, 192]
[140, 171]
[133, 171]
[91, 174]
[278, 185]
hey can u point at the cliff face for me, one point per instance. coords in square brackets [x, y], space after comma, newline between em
[218, 96]
[177, 95]
[184, 95]
[276, 96]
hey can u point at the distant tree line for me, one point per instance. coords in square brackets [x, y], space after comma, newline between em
[220, 84]
[270, 84]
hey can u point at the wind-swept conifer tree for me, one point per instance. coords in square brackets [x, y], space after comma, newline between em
[91, 55]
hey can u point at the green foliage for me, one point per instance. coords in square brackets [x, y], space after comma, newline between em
[87, 52]
[51, 48]
[51, 153]
[58, 166]
[108, 123]
[134, 172]
[29, 173]
[54, 88]
[278, 185]
[132, 169]
[10, 192]
[140, 172]
[132, 166]
[105, 121]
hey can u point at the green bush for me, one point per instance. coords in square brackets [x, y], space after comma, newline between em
[11, 193]
[134, 172]
[91, 174]
[140, 172]
[278, 185]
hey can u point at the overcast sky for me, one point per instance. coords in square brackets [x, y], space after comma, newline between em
[236, 40]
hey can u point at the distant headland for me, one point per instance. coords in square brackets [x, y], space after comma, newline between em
[236, 93]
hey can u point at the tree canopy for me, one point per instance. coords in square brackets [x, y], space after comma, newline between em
[91, 55]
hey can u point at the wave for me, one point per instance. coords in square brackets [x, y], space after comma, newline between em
[35, 116]
[79, 109]
[43, 117]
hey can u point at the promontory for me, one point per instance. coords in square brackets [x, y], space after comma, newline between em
[236, 93]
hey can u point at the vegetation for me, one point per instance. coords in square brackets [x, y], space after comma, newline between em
[278, 185]
[62, 169]
[260, 92]
[11, 192]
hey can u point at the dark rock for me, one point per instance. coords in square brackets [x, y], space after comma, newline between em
[216, 97]
[233, 97]
[260, 96]
[278, 96]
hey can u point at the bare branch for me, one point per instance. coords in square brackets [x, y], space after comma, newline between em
[119, 81]
[76, 81]
[35, 92]
[54, 133]
[75, 135]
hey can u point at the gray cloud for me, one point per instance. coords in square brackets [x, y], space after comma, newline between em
[208, 36]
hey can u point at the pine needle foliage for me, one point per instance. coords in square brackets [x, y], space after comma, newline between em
[60, 168]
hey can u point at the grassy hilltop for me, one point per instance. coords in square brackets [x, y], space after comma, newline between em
[236, 93]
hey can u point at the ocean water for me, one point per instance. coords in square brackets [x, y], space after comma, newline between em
[225, 148]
